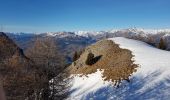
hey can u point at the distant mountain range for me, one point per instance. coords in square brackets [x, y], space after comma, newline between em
[97, 33]
[75, 41]
[92, 36]
[94, 33]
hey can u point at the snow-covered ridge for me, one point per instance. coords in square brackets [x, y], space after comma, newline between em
[148, 31]
[151, 81]
[77, 33]
[150, 58]
[88, 33]
[95, 33]
[60, 34]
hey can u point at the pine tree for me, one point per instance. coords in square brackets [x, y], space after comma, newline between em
[89, 60]
[75, 56]
[162, 44]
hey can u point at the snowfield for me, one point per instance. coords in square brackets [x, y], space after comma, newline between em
[86, 84]
[150, 82]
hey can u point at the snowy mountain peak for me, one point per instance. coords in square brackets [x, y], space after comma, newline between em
[149, 31]
[131, 31]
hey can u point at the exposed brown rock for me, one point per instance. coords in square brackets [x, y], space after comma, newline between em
[115, 62]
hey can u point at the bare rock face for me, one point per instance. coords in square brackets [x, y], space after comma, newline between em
[107, 56]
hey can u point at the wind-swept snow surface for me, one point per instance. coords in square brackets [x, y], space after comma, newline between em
[84, 85]
[151, 81]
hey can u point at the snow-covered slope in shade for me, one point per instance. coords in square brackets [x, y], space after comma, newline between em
[151, 81]
[86, 84]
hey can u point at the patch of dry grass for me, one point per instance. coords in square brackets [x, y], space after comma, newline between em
[116, 62]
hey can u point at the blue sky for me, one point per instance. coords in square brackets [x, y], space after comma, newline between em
[72, 15]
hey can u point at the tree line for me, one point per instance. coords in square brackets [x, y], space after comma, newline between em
[38, 75]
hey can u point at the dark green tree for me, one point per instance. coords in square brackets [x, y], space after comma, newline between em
[162, 44]
[75, 56]
[89, 60]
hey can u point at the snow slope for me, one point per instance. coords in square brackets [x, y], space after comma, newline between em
[150, 82]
